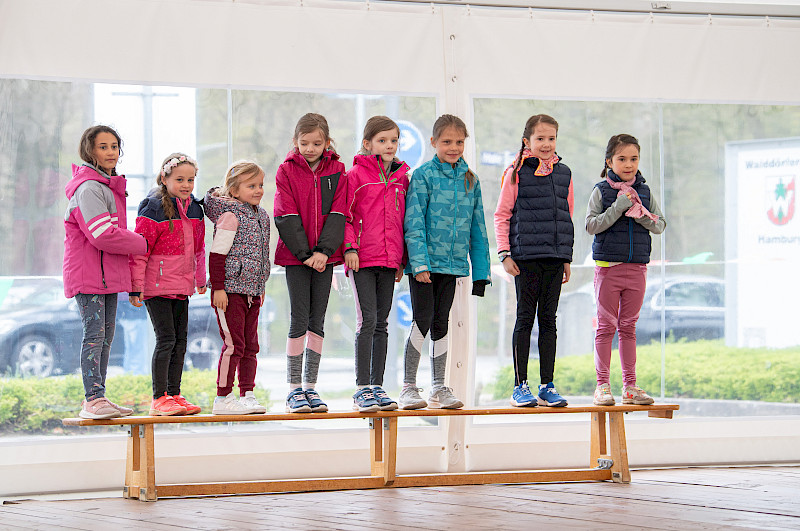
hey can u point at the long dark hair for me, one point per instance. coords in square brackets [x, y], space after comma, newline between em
[615, 143]
[530, 125]
[449, 120]
[86, 147]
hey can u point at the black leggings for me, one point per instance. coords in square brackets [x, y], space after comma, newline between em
[538, 289]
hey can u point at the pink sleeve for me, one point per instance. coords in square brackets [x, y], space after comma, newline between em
[502, 215]
[200, 253]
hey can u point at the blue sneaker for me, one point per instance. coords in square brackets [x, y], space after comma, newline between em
[386, 403]
[317, 405]
[364, 401]
[522, 396]
[296, 402]
[548, 396]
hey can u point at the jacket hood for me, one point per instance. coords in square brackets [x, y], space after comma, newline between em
[371, 163]
[215, 205]
[448, 169]
[297, 158]
[83, 173]
[154, 197]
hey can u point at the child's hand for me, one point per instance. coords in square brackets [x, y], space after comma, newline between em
[511, 267]
[351, 261]
[567, 273]
[424, 277]
[135, 300]
[317, 261]
[398, 275]
[219, 299]
[201, 290]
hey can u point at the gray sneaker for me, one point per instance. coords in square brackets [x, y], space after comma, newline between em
[410, 398]
[443, 398]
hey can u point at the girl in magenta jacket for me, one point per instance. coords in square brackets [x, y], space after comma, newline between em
[374, 252]
[309, 215]
[164, 277]
[96, 247]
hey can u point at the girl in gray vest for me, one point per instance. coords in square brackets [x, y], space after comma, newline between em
[621, 214]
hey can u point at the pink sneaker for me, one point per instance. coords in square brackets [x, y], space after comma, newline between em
[166, 405]
[99, 408]
[191, 409]
[123, 411]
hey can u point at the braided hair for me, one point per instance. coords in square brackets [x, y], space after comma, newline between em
[530, 125]
[170, 163]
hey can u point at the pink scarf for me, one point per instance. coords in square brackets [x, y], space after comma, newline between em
[637, 210]
[545, 166]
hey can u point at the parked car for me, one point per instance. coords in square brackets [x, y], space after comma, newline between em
[694, 309]
[41, 330]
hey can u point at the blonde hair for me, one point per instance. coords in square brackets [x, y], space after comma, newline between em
[239, 171]
[375, 125]
[439, 126]
[165, 170]
[310, 122]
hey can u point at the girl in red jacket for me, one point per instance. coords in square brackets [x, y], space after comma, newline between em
[169, 273]
[374, 252]
[309, 215]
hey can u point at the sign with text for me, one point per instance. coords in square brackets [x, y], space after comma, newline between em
[762, 243]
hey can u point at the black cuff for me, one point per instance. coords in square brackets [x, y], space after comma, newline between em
[135, 294]
[479, 287]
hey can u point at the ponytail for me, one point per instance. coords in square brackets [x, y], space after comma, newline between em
[167, 205]
[517, 164]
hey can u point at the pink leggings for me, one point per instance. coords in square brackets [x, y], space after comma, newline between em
[619, 291]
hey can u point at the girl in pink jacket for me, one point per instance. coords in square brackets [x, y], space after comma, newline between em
[164, 277]
[96, 247]
[374, 252]
[309, 215]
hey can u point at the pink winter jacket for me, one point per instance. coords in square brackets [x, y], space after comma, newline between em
[376, 206]
[97, 242]
[175, 262]
[309, 209]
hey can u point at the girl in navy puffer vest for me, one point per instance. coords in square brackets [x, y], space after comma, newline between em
[238, 267]
[533, 226]
[621, 214]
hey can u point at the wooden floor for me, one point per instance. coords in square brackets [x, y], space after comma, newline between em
[690, 498]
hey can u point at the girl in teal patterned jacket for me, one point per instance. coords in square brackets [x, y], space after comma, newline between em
[443, 226]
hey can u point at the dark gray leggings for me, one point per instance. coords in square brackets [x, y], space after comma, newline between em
[99, 318]
[308, 299]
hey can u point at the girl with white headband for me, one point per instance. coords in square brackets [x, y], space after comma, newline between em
[171, 270]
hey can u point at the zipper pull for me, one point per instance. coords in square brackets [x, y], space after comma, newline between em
[329, 185]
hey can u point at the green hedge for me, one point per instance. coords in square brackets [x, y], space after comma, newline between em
[698, 369]
[32, 405]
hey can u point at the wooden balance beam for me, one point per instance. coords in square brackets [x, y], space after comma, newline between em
[608, 455]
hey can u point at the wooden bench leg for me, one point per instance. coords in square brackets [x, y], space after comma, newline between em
[383, 448]
[620, 473]
[140, 466]
[598, 439]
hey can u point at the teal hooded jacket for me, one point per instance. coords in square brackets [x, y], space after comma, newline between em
[444, 222]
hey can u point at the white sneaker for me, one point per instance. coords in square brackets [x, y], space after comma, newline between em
[603, 396]
[250, 402]
[229, 405]
[410, 398]
[443, 398]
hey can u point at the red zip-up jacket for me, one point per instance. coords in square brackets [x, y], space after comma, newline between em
[309, 209]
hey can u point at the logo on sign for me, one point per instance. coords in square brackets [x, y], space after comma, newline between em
[780, 199]
[412, 144]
